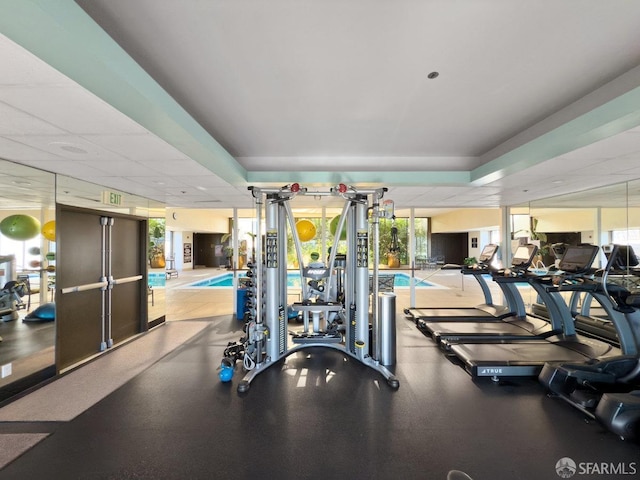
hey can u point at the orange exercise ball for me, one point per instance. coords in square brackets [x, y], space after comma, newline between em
[306, 230]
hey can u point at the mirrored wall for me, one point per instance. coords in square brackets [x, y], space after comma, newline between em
[28, 265]
[27, 275]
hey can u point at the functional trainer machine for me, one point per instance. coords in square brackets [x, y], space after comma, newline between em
[335, 298]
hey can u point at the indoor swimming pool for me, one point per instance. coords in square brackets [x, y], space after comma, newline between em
[225, 280]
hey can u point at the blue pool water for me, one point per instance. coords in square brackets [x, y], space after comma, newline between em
[156, 279]
[293, 280]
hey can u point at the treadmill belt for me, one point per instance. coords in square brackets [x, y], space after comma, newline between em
[422, 313]
[516, 359]
[535, 352]
[517, 327]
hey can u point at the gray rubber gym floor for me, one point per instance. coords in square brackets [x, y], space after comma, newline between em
[316, 415]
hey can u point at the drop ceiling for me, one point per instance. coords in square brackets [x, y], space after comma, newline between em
[188, 103]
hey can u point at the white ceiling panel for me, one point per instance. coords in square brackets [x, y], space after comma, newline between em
[17, 151]
[70, 108]
[71, 147]
[17, 122]
[71, 168]
[142, 147]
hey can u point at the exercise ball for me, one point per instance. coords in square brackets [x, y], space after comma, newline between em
[20, 227]
[333, 226]
[49, 231]
[306, 230]
[50, 256]
[34, 251]
[44, 313]
[35, 264]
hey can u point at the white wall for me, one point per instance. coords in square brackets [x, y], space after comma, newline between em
[466, 220]
[180, 239]
[197, 220]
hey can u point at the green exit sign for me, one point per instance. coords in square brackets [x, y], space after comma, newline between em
[112, 198]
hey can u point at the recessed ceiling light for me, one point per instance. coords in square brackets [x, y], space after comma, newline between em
[201, 188]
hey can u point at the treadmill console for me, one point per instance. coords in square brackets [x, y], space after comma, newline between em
[558, 250]
[488, 253]
[578, 258]
[523, 257]
[620, 257]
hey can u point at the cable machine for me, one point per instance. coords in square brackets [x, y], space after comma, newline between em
[335, 300]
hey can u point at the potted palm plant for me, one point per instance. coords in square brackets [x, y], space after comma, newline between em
[156, 245]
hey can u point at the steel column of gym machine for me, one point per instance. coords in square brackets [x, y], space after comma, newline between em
[262, 300]
[362, 286]
[271, 292]
[259, 257]
[361, 250]
[272, 269]
[377, 341]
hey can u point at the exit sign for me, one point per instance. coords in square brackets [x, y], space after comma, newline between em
[112, 198]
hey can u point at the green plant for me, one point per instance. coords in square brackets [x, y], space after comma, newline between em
[542, 237]
[470, 261]
[156, 238]
[156, 243]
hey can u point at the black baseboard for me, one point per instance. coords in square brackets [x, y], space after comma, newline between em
[157, 321]
[14, 389]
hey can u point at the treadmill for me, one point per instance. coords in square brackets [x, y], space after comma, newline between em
[526, 357]
[487, 311]
[607, 389]
[589, 320]
[575, 262]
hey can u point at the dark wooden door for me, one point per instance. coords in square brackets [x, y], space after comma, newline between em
[452, 247]
[81, 328]
[204, 246]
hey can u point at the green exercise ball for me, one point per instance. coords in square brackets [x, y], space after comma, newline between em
[20, 227]
[333, 226]
[50, 256]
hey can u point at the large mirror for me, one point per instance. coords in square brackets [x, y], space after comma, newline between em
[27, 276]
